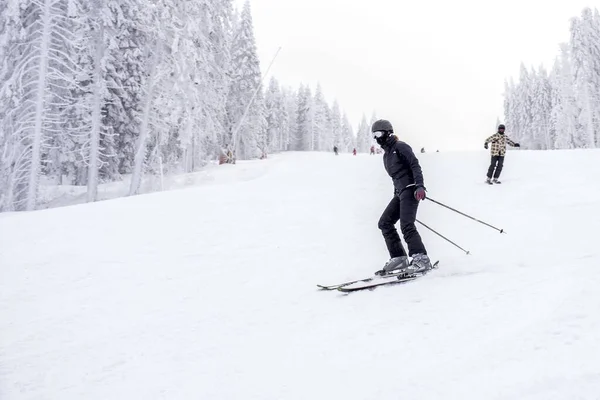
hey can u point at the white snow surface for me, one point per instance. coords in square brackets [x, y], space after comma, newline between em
[210, 292]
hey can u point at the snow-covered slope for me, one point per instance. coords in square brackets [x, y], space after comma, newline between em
[209, 292]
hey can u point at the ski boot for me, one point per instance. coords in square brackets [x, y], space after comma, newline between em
[393, 265]
[496, 181]
[420, 264]
[488, 181]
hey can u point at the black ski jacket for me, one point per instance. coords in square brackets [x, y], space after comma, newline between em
[401, 164]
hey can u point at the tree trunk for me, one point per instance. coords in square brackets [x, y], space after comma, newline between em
[92, 184]
[140, 154]
[36, 146]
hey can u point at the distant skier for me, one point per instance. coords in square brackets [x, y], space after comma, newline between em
[499, 141]
[372, 150]
[354, 152]
[403, 167]
[335, 150]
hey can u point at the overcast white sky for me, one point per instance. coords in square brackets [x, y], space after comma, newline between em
[434, 68]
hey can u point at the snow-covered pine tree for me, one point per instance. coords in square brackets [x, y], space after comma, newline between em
[273, 122]
[290, 101]
[585, 57]
[10, 26]
[511, 110]
[508, 112]
[220, 36]
[322, 135]
[374, 118]
[564, 107]
[198, 81]
[246, 130]
[93, 94]
[327, 137]
[541, 111]
[65, 151]
[38, 85]
[555, 102]
[348, 139]
[523, 104]
[336, 125]
[214, 39]
[276, 117]
[305, 119]
[301, 116]
[284, 131]
[126, 67]
[180, 67]
[363, 135]
[309, 142]
[259, 123]
[159, 63]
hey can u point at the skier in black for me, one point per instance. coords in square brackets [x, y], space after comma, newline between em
[335, 150]
[403, 167]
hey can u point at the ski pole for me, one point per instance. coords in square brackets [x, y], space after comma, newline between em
[468, 216]
[443, 237]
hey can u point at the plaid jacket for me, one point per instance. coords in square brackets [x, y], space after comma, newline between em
[499, 142]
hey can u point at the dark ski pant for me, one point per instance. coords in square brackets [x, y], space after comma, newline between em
[497, 163]
[401, 208]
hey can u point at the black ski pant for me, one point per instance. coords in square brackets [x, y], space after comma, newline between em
[401, 208]
[497, 163]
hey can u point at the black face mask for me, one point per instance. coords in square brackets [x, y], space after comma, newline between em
[382, 139]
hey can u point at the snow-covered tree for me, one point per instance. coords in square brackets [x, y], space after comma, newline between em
[36, 91]
[10, 26]
[290, 102]
[541, 110]
[348, 139]
[560, 109]
[157, 89]
[371, 122]
[92, 90]
[564, 107]
[336, 124]
[363, 136]
[220, 33]
[201, 53]
[246, 114]
[523, 98]
[273, 107]
[277, 117]
[305, 120]
[322, 135]
[510, 111]
[585, 56]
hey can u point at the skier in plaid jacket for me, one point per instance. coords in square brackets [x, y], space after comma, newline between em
[498, 151]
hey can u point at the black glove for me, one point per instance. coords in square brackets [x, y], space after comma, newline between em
[517, 145]
[485, 145]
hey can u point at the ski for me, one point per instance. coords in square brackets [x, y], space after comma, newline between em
[398, 280]
[333, 287]
[369, 279]
[371, 286]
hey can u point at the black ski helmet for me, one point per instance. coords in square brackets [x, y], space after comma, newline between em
[382, 125]
[501, 126]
